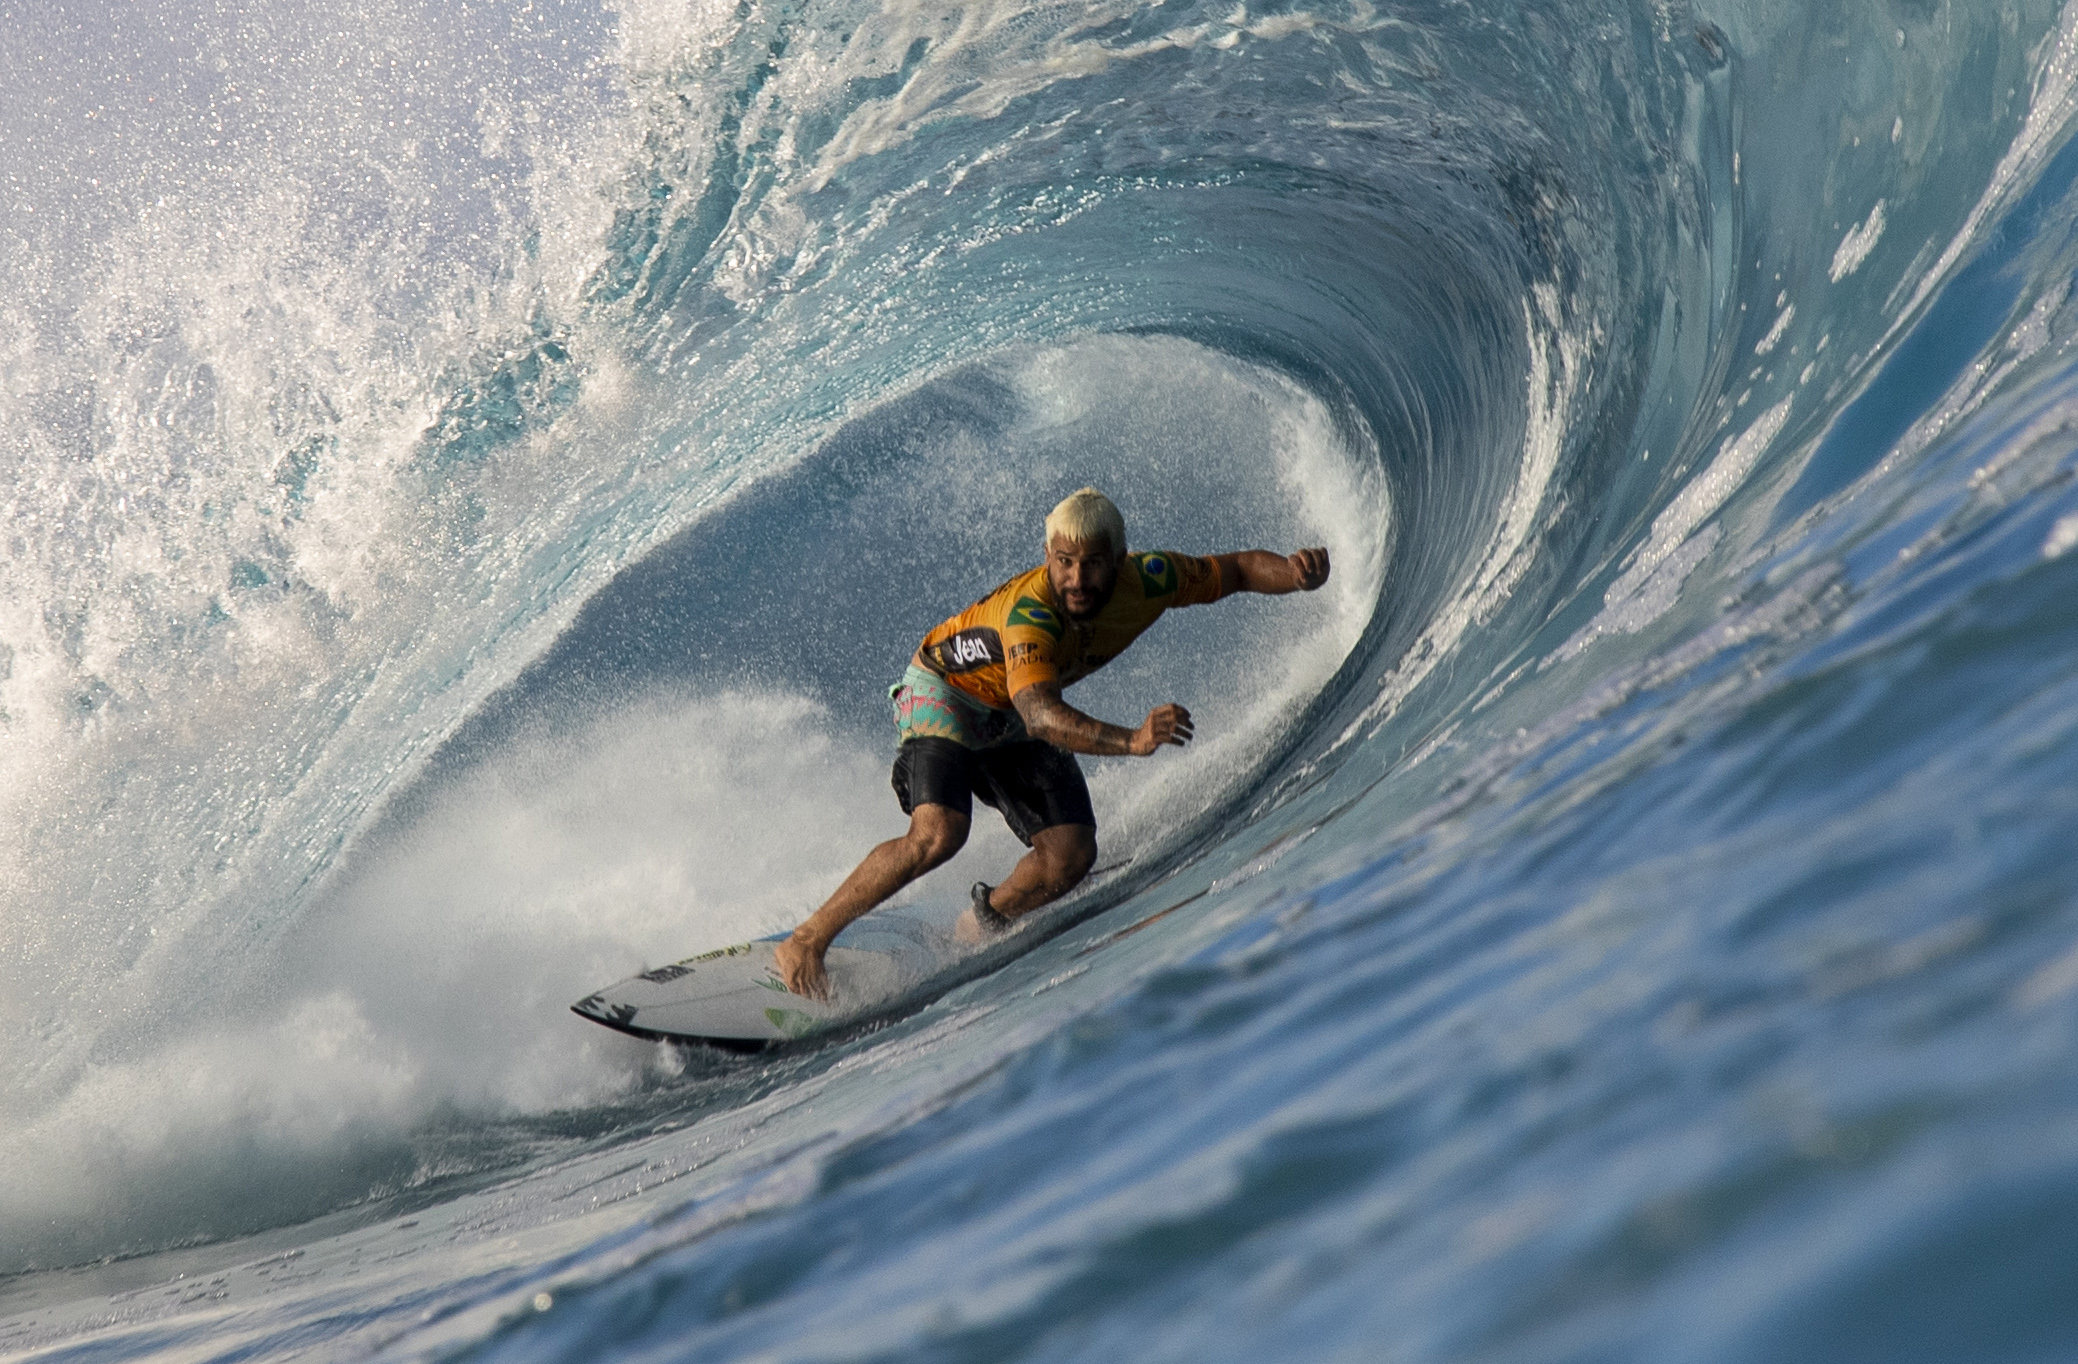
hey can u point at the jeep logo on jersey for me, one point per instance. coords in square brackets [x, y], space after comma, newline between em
[1157, 575]
[1033, 612]
[969, 650]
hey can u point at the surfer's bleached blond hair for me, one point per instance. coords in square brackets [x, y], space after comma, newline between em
[1086, 517]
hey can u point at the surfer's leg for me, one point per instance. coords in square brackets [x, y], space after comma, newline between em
[934, 780]
[936, 832]
[1040, 791]
[1060, 857]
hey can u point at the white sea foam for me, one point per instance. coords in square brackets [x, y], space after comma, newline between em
[2062, 538]
[1651, 582]
[437, 976]
[1860, 240]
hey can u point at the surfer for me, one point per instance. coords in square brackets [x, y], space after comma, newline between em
[979, 713]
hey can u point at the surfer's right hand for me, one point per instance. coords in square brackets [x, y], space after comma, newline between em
[1169, 724]
[801, 968]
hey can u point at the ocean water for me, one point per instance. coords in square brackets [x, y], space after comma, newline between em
[470, 473]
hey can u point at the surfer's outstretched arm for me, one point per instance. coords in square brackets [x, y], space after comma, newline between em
[1258, 570]
[936, 832]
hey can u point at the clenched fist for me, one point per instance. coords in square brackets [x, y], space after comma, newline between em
[1309, 568]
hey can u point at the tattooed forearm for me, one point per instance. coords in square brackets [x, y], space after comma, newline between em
[1048, 717]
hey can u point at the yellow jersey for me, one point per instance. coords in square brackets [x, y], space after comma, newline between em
[1017, 635]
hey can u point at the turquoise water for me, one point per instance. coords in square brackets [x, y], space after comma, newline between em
[473, 474]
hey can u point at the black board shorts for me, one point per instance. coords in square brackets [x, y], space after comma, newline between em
[1033, 784]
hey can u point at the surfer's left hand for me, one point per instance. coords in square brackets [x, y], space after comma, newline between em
[801, 969]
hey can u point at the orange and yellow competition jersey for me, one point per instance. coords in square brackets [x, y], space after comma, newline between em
[1016, 636]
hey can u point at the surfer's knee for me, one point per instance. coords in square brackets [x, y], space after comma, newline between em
[936, 832]
[1067, 852]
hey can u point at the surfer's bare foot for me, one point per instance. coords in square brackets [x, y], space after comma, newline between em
[801, 969]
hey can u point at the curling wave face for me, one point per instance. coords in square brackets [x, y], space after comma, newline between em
[473, 476]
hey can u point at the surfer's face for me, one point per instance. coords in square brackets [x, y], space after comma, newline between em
[1082, 576]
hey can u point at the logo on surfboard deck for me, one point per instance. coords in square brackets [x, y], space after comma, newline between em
[792, 1022]
[598, 1010]
[1037, 614]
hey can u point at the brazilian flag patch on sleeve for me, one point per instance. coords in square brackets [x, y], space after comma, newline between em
[1157, 574]
[1037, 614]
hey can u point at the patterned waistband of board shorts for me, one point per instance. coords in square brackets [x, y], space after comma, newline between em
[928, 707]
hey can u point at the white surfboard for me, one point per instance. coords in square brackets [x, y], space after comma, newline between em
[733, 997]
